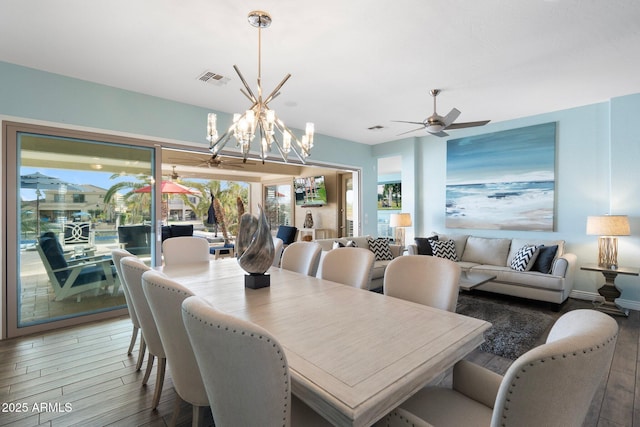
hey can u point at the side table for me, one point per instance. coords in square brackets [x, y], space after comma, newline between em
[609, 290]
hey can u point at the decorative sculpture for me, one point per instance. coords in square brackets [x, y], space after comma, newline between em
[255, 249]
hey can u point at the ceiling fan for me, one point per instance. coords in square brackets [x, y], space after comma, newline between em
[216, 162]
[174, 175]
[436, 124]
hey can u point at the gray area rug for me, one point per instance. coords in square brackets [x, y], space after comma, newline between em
[514, 330]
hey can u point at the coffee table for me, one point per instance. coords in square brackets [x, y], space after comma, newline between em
[472, 279]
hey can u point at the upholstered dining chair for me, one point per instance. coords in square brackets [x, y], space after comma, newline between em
[349, 266]
[165, 298]
[117, 255]
[132, 270]
[278, 245]
[427, 280]
[244, 370]
[550, 385]
[301, 257]
[185, 250]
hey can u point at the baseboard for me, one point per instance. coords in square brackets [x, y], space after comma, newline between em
[591, 296]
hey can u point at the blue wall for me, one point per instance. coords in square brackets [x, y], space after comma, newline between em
[598, 151]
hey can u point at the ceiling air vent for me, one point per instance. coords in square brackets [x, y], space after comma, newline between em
[213, 78]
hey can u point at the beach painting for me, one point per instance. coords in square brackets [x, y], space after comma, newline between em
[502, 180]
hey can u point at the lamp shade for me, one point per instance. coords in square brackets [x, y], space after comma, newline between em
[608, 225]
[400, 220]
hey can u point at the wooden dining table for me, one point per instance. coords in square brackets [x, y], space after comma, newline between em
[354, 355]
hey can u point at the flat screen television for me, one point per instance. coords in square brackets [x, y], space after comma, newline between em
[310, 191]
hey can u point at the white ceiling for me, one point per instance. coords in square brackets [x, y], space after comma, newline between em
[354, 64]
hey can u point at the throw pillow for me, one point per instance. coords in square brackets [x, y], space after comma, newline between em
[424, 247]
[349, 244]
[544, 262]
[524, 258]
[380, 248]
[444, 249]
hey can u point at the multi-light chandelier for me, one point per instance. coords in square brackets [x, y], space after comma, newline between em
[259, 118]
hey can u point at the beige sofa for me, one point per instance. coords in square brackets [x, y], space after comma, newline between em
[377, 275]
[494, 256]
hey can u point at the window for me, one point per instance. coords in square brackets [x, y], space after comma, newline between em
[278, 205]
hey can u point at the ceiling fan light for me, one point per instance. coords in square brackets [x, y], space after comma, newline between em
[435, 128]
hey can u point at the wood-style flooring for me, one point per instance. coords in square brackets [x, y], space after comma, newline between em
[83, 377]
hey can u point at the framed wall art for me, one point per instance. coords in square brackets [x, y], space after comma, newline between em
[502, 180]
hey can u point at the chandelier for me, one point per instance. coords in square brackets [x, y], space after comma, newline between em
[259, 118]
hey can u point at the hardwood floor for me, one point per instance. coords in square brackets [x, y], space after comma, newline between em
[83, 377]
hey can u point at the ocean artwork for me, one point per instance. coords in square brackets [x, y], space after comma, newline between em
[503, 180]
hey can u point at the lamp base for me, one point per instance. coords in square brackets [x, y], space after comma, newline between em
[257, 281]
[608, 252]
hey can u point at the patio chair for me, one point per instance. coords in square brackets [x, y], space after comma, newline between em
[69, 278]
[78, 237]
[135, 239]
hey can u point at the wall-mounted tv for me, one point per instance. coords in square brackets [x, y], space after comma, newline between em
[310, 191]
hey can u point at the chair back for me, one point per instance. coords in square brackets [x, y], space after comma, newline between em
[243, 367]
[75, 233]
[117, 255]
[349, 266]
[132, 270]
[165, 298]
[278, 246]
[427, 280]
[554, 384]
[185, 250]
[301, 257]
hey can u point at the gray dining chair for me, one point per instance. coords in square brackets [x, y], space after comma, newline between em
[132, 270]
[278, 246]
[301, 257]
[550, 385]
[165, 298]
[423, 279]
[349, 266]
[244, 369]
[185, 250]
[117, 255]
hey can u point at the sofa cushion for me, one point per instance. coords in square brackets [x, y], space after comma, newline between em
[524, 258]
[380, 247]
[485, 250]
[460, 240]
[529, 279]
[444, 249]
[424, 247]
[377, 272]
[544, 262]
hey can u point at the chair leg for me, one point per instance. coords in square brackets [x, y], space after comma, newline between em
[197, 419]
[143, 349]
[176, 411]
[134, 337]
[162, 364]
[147, 373]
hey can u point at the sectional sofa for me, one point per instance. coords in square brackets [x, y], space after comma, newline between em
[545, 276]
[380, 264]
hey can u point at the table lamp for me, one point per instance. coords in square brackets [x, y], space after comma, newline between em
[400, 221]
[607, 227]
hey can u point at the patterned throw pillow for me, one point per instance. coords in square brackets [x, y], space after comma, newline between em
[444, 249]
[424, 247]
[349, 244]
[380, 248]
[525, 257]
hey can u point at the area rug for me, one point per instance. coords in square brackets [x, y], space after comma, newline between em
[514, 330]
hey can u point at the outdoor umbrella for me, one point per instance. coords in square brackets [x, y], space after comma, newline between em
[38, 181]
[166, 187]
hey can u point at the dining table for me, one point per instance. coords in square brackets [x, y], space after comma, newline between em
[353, 355]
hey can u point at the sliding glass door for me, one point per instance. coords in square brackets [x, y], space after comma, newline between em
[71, 199]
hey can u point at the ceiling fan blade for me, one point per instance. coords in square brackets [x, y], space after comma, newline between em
[404, 121]
[409, 131]
[451, 117]
[440, 134]
[468, 124]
